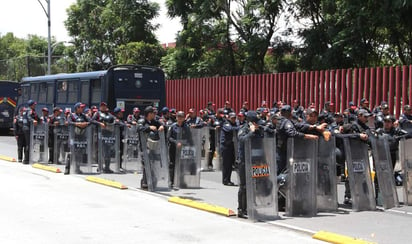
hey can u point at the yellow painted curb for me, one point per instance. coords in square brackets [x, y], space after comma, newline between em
[11, 159]
[338, 239]
[202, 206]
[45, 167]
[106, 182]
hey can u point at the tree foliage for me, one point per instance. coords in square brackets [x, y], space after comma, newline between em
[346, 33]
[140, 53]
[99, 27]
[28, 57]
[223, 37]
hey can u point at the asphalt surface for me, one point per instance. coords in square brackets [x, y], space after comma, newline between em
[381, 226]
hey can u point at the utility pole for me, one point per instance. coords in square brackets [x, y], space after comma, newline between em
[47, 12]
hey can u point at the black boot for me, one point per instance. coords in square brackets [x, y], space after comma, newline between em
[51, 156]
[143, 181]
[171, 177]
[210, 161]
[67, 168]
[107, 169]
[241, 213]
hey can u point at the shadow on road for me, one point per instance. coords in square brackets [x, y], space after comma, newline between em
[6, 132]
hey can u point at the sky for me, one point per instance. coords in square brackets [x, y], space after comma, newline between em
[24, 17]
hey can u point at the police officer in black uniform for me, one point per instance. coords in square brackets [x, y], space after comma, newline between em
[360, 124]
[194, 121]
[350, 113]
[227, 148]
[287, 129]
[298, 111]
[103, 118]
[179, 127]
[29, 117]
[55, 120]
[328, 112]
[133, 118]
[250, 129]
[311, 125]
[393, 134]
[218, 123]
[151, 127]
[276, 107]
[381, 114]
[364, 104]
[80, 120]
[405, 120]
[245, 107]
[118, 114]
[212, 140]
[241, 119]
[228, 108]
[220, 117]
[360, 130]
[270, 127]
[210, 108]
[19, 135]
[378, 109]
[165, 118]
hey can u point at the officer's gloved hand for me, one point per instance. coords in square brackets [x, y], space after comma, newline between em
[281, 179]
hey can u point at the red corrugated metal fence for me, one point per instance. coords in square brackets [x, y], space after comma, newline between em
[391, 84]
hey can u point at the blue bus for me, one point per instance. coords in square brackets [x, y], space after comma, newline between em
[8, 100]
[124, 86]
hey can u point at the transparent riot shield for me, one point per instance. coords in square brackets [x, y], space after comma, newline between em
[205, 148]
[407, 127]
[155, 161]
[131, 149]
[61, 143]
[384, 172]
[360, 181]
[82, 150]
[326, 185]
[405, 157]
[371, 122]
[219, 160]
[261, 184]
[188, 158]
[302, 167]
[109, 148]
[39, 136]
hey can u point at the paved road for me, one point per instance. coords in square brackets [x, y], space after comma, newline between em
[378, 226]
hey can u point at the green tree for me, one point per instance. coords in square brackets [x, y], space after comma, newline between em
[397, 19]
[230, 34]
[98, 27]
[140, 53]
[11, 51]
[345, 33]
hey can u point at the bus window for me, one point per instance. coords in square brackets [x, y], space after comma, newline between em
[42, 92]
[96, 90]
[61, 92]
[25, 93]
[73, 91]
[50, 92]
[34, 92]
[84, 92]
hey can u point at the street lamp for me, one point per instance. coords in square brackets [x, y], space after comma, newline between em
[49, 33]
